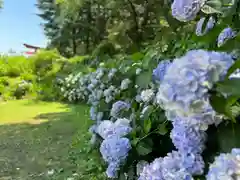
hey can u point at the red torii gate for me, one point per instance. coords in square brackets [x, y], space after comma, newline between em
[35, 48]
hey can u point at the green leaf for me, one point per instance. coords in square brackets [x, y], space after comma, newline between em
[137, 56]
[143, 79]
[143, 149]
[233, 68]
[218, 103]
[228, 136]
[148, 112]
[212, 6]
[147, 125]
[229, 87]
[162, 129]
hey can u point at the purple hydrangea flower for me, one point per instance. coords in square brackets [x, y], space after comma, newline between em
[225, 35]
[160, 71]
[210, 24]
[186, 10]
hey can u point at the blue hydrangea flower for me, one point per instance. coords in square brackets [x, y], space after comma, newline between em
[152, 171]
[210, 24]
[197, 72]
[225, 35]
[187, 139]
[119, 107]
[226, 166]
[193, 163]
[115, 151]
[186, 10]
[160, 71]
[172, 168]
[107, 129]
[112, 170]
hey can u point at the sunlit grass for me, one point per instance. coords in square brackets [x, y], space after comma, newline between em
[46, 141]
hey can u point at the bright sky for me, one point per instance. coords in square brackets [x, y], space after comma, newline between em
[19, 24]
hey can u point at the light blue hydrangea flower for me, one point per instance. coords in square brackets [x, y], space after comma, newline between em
[225, 35]
[187, 139]
[112, 170]
[115, 151]
[197, 72]
[226, 166]
[118, 108]
[107, 129]
[210, 24]
[186, 10]
[152, 171]
[112, 73]
[176, 166]
[159, 72]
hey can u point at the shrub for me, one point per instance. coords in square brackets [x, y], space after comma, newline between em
[133, 114]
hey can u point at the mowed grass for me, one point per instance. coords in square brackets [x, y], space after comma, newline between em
[46, 141]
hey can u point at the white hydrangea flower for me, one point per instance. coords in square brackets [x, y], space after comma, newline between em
[147, 95]
[125, 83]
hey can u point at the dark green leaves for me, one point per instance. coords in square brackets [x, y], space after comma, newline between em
[143, 148]
[162, 129]
[228, 136]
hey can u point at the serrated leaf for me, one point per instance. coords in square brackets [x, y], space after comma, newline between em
[162, 129]
[147, 125]
[143, 149]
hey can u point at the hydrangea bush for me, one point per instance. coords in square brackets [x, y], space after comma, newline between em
[160, 123]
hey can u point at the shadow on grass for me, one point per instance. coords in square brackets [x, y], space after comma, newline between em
[51, 150]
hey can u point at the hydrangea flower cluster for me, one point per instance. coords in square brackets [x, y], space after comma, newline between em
[185, 101]
[186, 10]
[118, 108]
[114, 151]
[210, 24]
[226, 166]
[115, 147]
[225, 35]
[160, 71]
[174, 166]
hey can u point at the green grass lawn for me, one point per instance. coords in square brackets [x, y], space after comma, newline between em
[46, 141]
